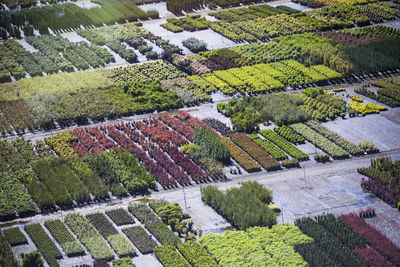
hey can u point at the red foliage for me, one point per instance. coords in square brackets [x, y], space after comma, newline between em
[374, 238]
[372, 257]
[86, 143]
[158, 132]
[177, 125]
[186, 163]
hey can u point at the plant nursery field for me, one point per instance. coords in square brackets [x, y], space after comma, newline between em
[199, 133]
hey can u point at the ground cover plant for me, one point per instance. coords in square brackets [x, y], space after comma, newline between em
[88, 236]
[212, 144]
[249, 209]
[169, 256]
[140, 238]
[189, 23]
[152, 223]
[290, 135]
[274, 151]
[120, 217]
[320, 141]
[284, 144]
[334, 137]
[243, 159]
[258, 246]
[196, 254]
[122, 167]
[46, 247]
[195, 45]
[14, 198]
[67, 241]
[117, 241]
[15, 237]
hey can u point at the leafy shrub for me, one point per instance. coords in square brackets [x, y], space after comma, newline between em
[237, 204]
[321, 158]
[212, 144]
[195, 45]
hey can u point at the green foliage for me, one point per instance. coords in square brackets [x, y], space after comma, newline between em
[152, 223]
[198, 154]
[121, 245]
[123, 262]
[67, 241]
[15, 237]
[122, 167]
[384, 169]
[120, 217]
[290, 135]
[61, 180]
[334, 137]
[32, 259]
[43, 242]
[376, 56]
[244, 207]
[274, 151]
[246, 113]
[320, 141]
[211, 144]
[258, 246]
[88, 236]
[140, 238]
[388, 93]
[195, 254]
[169, 256]
[69, 17]
[284, 144]
[195, 45]
[13, 197]
[333, 238]
[7, 257]
[144, 96]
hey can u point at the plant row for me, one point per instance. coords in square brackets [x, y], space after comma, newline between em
[258, 246]
[255, 151]
[73, 17]
[240, 207]
[67, 241]
[284, 144]
[373, 237]
[334, 137]
[318, 140]
[43, 242]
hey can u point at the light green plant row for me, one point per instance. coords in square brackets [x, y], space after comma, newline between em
[258, 246]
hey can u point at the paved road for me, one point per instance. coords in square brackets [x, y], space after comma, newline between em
[337, 167]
